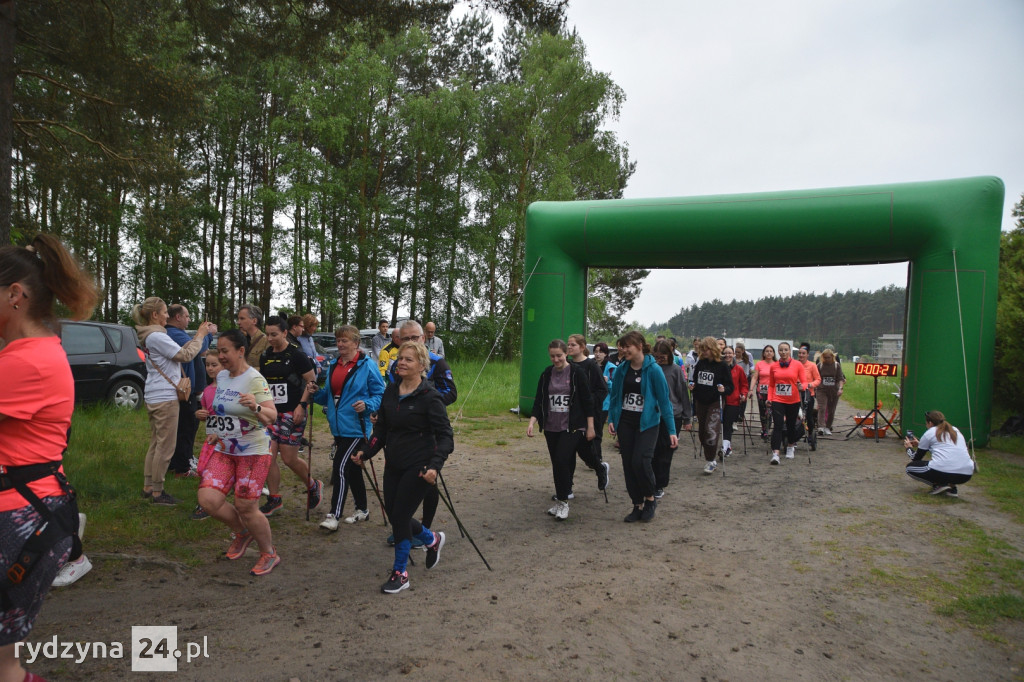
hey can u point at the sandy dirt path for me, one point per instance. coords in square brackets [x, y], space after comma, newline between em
[765, 573]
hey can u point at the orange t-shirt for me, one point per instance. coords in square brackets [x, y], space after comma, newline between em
[784, 382]
[37, 400]
[813, 375]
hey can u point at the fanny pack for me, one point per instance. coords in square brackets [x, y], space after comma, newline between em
[183, 387]
[53, 526]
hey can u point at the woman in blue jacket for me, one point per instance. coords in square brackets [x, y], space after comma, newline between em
[638, 403]
[351, 393]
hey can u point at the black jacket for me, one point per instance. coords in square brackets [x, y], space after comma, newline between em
[581, 400]
[722, 375]
[595, 378]
[413, 431]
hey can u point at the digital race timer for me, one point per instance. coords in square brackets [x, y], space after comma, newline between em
[875, 369]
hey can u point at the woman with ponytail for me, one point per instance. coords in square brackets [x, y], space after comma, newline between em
[950, 463]
[163, 364]
[38, 513]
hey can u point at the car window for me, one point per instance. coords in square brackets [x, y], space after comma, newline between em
[115, 337]
[82, 339]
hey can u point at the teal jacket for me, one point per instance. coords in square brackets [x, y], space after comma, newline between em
[657, 406]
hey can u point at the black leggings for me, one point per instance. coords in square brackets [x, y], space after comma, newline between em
[762, 411]
[663, 452]
[733, 413]
[562, 447]
[345, 475]
[637, 450]
[919, 470]
[404, 489]
[784, 418]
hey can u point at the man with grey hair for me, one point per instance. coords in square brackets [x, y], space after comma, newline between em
[433, 343]
[250, 319]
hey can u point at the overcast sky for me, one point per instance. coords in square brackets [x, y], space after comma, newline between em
[742, 96]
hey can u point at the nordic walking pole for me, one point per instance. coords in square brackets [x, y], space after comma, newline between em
[458, 521]
[309, 455]
[721, 431]
[376, 491]
[445, 486]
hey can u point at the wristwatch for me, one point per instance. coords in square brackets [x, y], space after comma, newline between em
[259, 408]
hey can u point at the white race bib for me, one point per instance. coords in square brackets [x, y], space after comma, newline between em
[279, 392]
[225, 427]
[558, 403]
[784, 389]
[828, 381]
[705, 378]
[763, 389]
[633, 402]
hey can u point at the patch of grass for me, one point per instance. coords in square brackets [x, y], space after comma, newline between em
[859, 391]
[1011, 444]
[1002, 479]
[485, 390]
[104, 463]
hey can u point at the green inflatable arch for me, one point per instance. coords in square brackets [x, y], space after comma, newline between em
[948, 230]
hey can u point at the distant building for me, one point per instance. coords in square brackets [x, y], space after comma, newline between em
[888, 348]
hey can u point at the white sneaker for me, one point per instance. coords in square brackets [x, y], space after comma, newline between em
[775, 459]
[554, 510]
[561, 511]
[828, 432]
[710, 467]
[330, 523]
[72, 571]
[360, 515]
[790, 452]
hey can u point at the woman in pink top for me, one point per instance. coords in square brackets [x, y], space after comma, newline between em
[759, 380]
[785, 381]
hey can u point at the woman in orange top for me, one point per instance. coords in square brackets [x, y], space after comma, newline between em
[785, 381]
[813, 381]
[759, 380]
[35, 416]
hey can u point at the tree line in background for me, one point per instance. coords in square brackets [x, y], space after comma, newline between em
[347, 157]
[850, 321]
[1009, 370]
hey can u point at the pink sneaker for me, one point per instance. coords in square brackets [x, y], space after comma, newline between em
[266, 563]
[239, 543]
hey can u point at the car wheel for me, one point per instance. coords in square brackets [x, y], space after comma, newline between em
[126, 393]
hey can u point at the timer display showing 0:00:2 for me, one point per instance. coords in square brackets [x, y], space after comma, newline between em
[875, 369]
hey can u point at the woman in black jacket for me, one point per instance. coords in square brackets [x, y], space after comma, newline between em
[412, 427]
[710, 383]
[590, 452]
[564, 407]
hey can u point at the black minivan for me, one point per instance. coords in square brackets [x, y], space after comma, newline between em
[106, 362]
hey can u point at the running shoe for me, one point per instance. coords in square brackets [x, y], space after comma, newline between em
[571, 497]
[647, 513]
[561, 511]
[266, 564]
[397, 582]
[602, 475]
[710, 467]
[434, 550]
[952, 492]
[828, 432]
[272, 504]
[728, 451]
[165, 500]
[314, 494]
[939, 489]
[634, 515]
[359, 515]
[72, 571]
[775, 459]
[330, 523]
[659, 493]
[239, 543]
[199, 514]
[790, 452]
